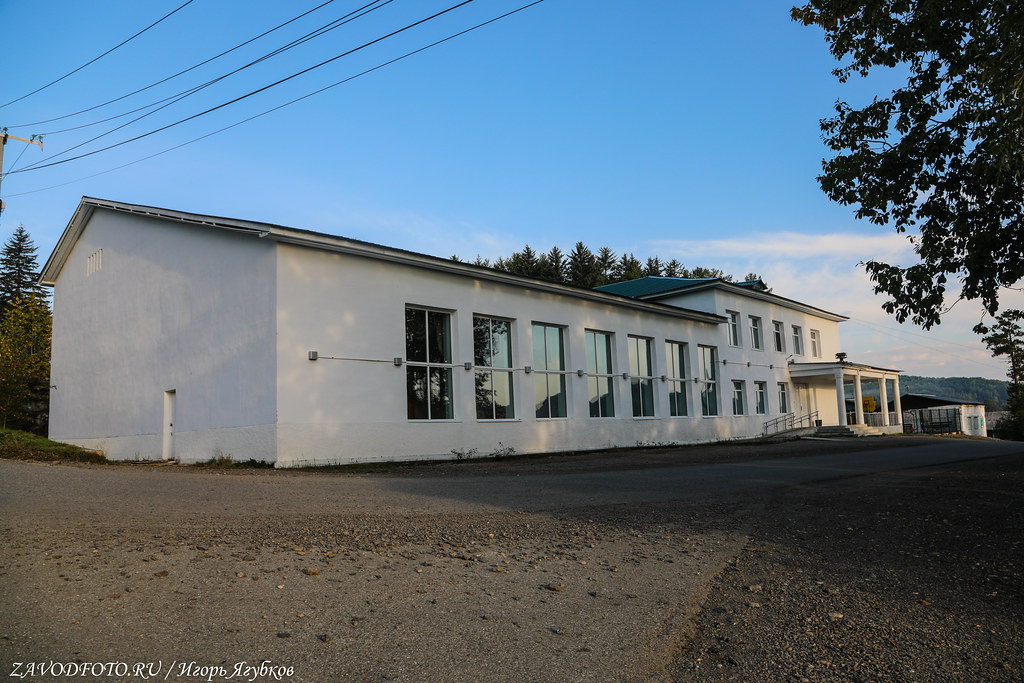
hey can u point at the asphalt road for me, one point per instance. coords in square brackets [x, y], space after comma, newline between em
[571, 574]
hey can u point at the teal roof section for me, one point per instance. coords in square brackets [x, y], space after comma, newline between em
[649, 285]
[653, 285]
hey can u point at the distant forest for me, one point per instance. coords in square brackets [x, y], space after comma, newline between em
[583, 267]
[991, 392]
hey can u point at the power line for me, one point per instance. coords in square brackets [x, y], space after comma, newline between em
[164, 80]
[70, 73]
[286, 104]
[38, 166]
[178, 97]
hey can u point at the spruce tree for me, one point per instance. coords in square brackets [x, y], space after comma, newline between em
[19, 276]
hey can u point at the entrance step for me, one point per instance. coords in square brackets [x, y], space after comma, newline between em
[849, 430]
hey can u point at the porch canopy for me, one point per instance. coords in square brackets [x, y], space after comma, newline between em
[840, 370]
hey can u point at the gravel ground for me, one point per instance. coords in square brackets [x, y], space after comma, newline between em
[352, 577]
[906, 576]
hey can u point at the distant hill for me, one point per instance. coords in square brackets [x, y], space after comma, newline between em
[968, 388]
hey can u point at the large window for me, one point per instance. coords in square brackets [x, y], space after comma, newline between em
[428, 354]
[798, 340]
[492, 380]
[641, 376]
[755, 333]
[738, 389]
[734, 328]
[780, 336]
[676, 352]
[599, 371]
[708, 381]
[783, 397]
[816, 343]
[761, 397]
[549, 371]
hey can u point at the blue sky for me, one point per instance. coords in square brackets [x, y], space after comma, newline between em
[683, 130]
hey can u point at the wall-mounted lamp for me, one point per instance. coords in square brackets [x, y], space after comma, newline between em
[725, 362]
[664, 378]
[468, 365]
[625, 375]
[527, 369]
[312, 355]
[580, 373]
[748, 363]
[398, 361]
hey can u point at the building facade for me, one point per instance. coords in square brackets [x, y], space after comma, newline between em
[191, 337]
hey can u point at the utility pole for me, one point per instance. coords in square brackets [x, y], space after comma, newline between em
[3, 143]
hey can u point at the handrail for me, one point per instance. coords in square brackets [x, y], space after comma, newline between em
[789, 421]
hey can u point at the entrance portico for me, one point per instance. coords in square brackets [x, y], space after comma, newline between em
[842, 371]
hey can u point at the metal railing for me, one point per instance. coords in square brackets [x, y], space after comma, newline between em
[789, 421]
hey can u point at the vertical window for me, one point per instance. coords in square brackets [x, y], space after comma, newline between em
[428, 374]
[780, 336]
[708, 381]
[755, 333]
[737, 397]
[641, 377]
[549, 371]
[761, 398]
[734, 328]
[492, 380]
[783, 397]
[798, 340]
[815, 343]
[676, 353]
[599, 371]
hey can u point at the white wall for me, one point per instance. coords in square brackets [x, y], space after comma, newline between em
[353, 308]
[174, 307]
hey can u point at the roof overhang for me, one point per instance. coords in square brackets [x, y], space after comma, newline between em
[751, 293]
[830, 369]
[343, 245]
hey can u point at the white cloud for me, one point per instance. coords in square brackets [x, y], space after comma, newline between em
[850, 246]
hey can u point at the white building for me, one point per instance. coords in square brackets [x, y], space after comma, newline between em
[178, 335]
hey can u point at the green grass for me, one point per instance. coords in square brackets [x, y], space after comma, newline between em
[17, 445]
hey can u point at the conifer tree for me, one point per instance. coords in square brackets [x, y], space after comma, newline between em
[582, 268]
[19, 276]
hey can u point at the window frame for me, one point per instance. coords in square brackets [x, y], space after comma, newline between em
[798, 340]
[779, 332]
[784, 406]
[676, 354]
[760, 398]
[641, 384]
[430, 366]
[708, 383]
[604, 406]
[756, 333]
[739, 389]
[734, 328]
[486, 369]
[815, 337]
[544, 373]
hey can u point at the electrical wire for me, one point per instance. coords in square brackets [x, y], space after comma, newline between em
[41, 165]
[96, 59]
[163, 80]
[174, 99]
[286, 104]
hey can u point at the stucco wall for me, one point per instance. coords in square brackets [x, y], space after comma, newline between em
[173, 307]
[355, 408]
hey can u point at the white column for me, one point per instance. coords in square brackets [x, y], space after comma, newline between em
[841, 398]
[884, 392]
[858, 397]
[896, 399]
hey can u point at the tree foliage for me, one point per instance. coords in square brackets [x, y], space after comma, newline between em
[19, 276]
[1006, 338]
[943, 155]
[24, 338]
[585, 268]
[25, 365]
